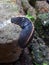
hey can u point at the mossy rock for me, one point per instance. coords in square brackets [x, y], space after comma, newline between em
[42, 26]
[38, 51]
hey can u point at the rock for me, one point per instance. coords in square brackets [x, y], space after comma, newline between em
[38, 49]
[28, 8]
[42, 6]
[20, 8]
[9, 9]
[42, 26]
[9, 36]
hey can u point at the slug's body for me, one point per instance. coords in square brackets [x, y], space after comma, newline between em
[47, 1]
[27, 30]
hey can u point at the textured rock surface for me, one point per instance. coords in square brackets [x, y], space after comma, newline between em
[9, 32]
[9, 47]
[8, 37]
[10, 9]
[42, 26]
[42, 6]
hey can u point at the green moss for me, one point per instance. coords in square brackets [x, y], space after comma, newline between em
[30, 17]
[42, 26]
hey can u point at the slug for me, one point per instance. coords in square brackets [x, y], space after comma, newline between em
[27, 30]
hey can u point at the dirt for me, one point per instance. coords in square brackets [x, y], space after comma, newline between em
[8, 9]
